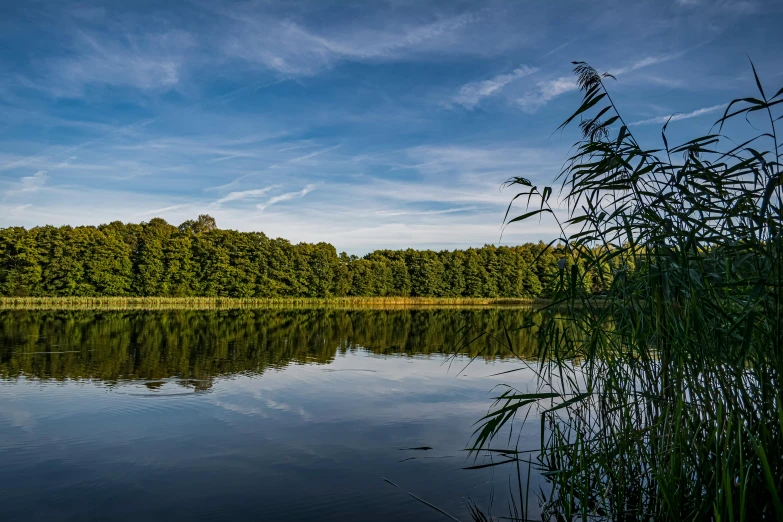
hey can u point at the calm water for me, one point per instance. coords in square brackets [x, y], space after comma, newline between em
[248, 415]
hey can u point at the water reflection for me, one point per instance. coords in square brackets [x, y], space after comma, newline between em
[197, 346]
[263, 415]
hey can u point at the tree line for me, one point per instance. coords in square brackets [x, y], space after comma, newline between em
[199, 259]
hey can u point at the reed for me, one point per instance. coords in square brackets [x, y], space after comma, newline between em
[219, 303]
[664, 402]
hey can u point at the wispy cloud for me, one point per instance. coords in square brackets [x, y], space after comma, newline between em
[558, 48]
[392, 213]
[291, 49]
[47, 163]
[301, 145]
[644, 62]
[663, 81]
[24, 189]
[499, 160]
[27, 185]
[303, 158]
[286, 197]
[472, 93]
[164, 210]
[680, 116]
[225, 186]
[33, 183]
[185, 108]
[145, 61]
[724, 6]
[546, 91]
[245, 194]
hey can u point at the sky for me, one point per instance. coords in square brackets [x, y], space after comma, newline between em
[366, 124]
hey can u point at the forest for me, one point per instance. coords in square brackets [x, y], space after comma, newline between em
[197, 258]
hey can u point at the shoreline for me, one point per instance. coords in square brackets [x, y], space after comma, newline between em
[235, 303]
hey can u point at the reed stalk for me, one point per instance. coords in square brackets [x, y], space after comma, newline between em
[664, 402]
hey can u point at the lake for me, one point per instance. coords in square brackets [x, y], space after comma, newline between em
[252, 414]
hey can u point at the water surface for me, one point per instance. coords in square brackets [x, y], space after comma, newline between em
[249, 415]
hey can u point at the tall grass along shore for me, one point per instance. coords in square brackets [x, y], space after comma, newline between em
[674, 410]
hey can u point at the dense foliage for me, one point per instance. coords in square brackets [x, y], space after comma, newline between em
[198, 259]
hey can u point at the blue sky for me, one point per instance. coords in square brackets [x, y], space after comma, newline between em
[364, 124]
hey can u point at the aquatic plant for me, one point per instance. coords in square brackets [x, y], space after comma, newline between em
[674, 409]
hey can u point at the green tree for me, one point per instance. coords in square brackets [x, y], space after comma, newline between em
[149, 257]
[107, 264]
[198, 259]
[21, 272]
[426, 273]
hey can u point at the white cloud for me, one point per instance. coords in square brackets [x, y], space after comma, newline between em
[731, 7]
[471, 94]
[680, 116]
[388, 213]
[34, 182]
[221, 188]
[304, 144]
[448, 197]
[546, 91]
[46, 163]
[285, 197]
[373, 43]
[498, 160]
[291, 49]
[164, 210]
[245, 194]
[644, 62]
[559, 48]
[669, 83]
[304, 157]
[456, 203]
[149, 61]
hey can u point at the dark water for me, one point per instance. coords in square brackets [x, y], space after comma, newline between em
[249, 415]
